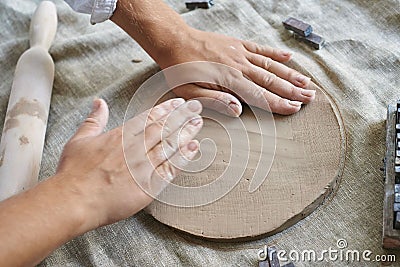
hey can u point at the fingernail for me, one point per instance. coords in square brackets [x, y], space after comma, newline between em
[308, 93]
[194, 105]
[303, 79]
[295, 103]
[234, 109]
[196, 121]
[96, 104]
[177, 102]
[193, 146]
[286, 53]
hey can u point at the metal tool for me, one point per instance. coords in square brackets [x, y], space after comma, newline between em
[193, 4]
[303, 32]
[391, 207]
[312, 39]
[298, 26]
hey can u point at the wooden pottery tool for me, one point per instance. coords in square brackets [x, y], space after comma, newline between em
[24, 129]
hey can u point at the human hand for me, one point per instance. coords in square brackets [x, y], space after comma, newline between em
[283, 88]
[93, 162]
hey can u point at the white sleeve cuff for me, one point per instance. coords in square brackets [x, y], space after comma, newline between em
[100, 10]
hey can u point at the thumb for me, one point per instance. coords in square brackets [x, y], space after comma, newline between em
[95, 122]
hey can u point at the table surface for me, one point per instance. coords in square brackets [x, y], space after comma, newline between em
[359, 67]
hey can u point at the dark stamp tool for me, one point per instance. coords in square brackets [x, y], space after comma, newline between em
[199, 4]
[313, 40]
[298, 26]
[391, 206]
[303, 32]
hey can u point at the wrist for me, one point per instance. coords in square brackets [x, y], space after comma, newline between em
[171, 53]
[54, 213]
[72, 203]
[154, 25]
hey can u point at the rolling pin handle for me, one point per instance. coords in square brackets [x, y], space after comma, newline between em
[43, 25]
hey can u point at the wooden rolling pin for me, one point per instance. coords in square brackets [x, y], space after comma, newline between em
[22, 141]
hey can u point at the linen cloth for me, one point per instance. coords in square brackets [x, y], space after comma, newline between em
[359, 67]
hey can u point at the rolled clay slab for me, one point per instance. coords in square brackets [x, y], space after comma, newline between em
[308, 163]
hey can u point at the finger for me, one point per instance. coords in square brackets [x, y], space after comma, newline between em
[137, 124]
[257, 96]
[175, 120]
[278, 85]
[281, 105]
[167, 171]
[95, 122]
[170, 145]
[267, 51]
[221, 102]
[279, 69]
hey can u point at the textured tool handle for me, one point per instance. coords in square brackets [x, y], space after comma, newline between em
[43, 25]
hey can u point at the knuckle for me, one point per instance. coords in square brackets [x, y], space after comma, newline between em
[166, 171]
[293, 92]
[156, 113]
[261, 94]
[165, 130]
[258, 48]
[150, 118]
[180, 91]
[170, 170]
[229, 80]
[235, 74]
[169, 144]
[274, 51]
[277, 104]
[189, 128]
[269, 79]
[281, 103]
[293, 73]
[184, 136]
[267, 63]
[92, 122]
[158, 155]
[158, 125]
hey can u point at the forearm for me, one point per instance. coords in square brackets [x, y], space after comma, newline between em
[36, 222]
[153, 24]
[93, 185]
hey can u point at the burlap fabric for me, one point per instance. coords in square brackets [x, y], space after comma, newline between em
[359, 67]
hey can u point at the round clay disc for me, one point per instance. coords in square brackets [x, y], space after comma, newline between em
[308, 163]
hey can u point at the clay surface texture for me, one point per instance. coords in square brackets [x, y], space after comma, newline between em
[307, 166]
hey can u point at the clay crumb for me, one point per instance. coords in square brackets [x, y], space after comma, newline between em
[23, 140]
